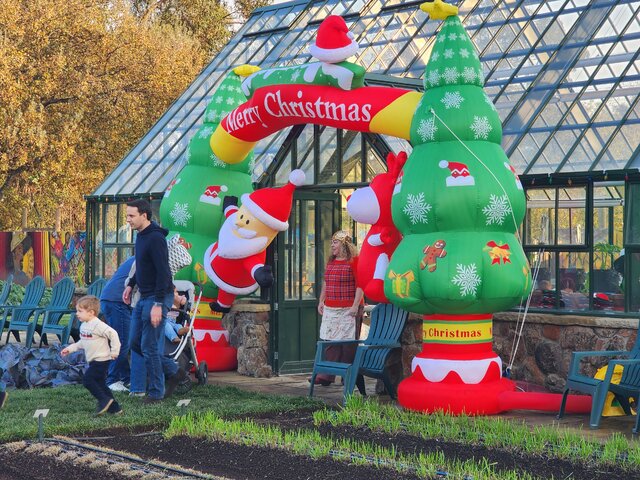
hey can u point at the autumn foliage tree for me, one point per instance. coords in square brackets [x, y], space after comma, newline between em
[81, 81]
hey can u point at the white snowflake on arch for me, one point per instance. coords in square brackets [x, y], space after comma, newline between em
[469, 74]
[211, 116]
[453, 36]
[481, 127]
[452, 100]
[180, 214]
[218, 99]
[205, 132]
[497, 209]
[450, 75]
[464, 53]
[489, 102]
[467, 279]
[230, 101]
[427, 129]
[416, 208]
[435, 56]
[448, 53]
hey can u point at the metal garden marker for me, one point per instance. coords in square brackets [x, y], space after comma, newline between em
[184, 402]
[40, 414]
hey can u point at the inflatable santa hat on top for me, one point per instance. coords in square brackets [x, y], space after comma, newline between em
[334, 42]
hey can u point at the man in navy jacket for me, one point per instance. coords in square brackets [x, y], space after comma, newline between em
[154, 282]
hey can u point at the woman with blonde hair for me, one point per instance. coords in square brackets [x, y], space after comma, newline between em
[341, 302]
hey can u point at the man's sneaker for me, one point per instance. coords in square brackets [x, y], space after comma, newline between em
[137, 394]
[103, 407]
[118, 387]
[151, 400]
[3, 398]
[173, 381]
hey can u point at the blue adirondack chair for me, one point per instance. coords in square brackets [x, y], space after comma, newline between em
[629, 386]
[387, 323]
[26, 318]
[4, 297]
[55, 311]
[20, 314]
[94, 289]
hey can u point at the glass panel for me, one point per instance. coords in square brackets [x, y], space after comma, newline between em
[351, 157]
[305, 153]
[571, 216]
[308, 246]
[99, 229]
[573, 279]
[543, 271]
[375, 164]
[540, 217]
[111, 223]
[282, 175]
[110, 261]
[124, 230]
[326, 212]
[328, 155]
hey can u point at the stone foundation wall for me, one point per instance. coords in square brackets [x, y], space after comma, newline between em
[547, 341]
[248, 326]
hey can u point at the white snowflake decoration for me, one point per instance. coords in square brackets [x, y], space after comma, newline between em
[453, 36]
[467, 279]
[295, 75]
[230, 101]
[218, 99]
[450, 75]
[481, 127]
[464, 53]
[448, 53]
[427, 129]
[212, 116]
[497, 210]
[223, 87]
[180, 214]
[435, 56]
[452, 100]
[216, 161]
[434, 77]
[469, 74]
[206, 132]
[416, 208]
[441, 39]
[187, 155]
[480, 74]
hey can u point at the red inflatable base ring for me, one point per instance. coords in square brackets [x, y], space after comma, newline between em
[218, 359]
[416, 393]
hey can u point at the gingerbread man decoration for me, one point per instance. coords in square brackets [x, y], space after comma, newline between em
[432, 253]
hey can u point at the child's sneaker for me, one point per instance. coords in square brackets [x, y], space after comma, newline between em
[118, 386]
[3, 398]
[137, 394]
[103, 407]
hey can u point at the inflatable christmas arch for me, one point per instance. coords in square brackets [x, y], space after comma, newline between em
[455, 203]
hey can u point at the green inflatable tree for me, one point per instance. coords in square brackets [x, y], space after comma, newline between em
[458, 205]
[192, 205]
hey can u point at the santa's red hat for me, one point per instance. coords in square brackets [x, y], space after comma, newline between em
[459, 174]
[272, 206]
[334, 42]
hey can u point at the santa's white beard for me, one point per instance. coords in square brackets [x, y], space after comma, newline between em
[231, 246]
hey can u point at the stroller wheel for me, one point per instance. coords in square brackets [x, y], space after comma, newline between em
[202, 373]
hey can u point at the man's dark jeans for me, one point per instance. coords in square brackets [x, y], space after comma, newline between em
[145, 340]
[118, 316]
[95, 380]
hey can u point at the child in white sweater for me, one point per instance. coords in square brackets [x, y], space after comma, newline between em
[101, 345]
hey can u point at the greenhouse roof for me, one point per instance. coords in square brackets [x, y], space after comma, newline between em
[564, 76]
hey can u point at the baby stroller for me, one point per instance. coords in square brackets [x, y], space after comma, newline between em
[184, 353]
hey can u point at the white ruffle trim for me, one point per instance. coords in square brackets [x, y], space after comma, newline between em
[470, 371]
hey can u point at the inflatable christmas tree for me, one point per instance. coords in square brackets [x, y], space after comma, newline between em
[192, 207]
[458, 207]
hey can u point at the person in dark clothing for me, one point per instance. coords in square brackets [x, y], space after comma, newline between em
[118, 316]
[154, 282]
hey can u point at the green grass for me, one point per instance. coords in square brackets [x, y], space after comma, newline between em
[72, 409]
[315, 445]
[490, 432]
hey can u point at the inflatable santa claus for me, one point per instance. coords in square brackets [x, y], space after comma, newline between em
[235, 263]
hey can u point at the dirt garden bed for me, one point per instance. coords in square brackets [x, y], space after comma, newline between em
[221, 459]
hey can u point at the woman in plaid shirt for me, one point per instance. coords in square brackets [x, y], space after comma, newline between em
[341, 302]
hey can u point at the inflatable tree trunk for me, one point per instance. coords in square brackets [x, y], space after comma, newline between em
[192, 207]
[459, 206]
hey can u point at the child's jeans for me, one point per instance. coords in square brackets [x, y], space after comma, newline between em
[95, 380]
